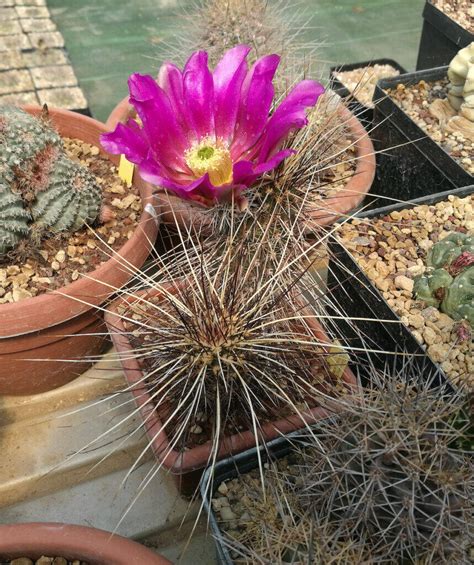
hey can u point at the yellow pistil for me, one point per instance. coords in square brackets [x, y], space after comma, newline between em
[209, 156]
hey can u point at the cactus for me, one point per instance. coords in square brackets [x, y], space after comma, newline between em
[13, 219]
[461, 77]
[72, 198]
[448, 249]
[388, 473]
[42, 190]
[448, 283]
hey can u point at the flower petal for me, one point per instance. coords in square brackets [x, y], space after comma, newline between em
[255, 103]
[127, 139]
[170, 79]
[199, 94]
[229, 76]
[197, 189]
[160, 124]
[290, 115]
[246, 172]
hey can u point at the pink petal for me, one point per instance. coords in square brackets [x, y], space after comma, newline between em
[229, 76]
[128, 140]
[197, 189]
[255, 103]
[246, 172]
[199, 94]
[162, 129]
[290, 115]
[170, 79]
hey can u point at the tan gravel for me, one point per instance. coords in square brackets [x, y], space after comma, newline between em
[392, 250]
[361, 82]
[426, 104]
[461, 11]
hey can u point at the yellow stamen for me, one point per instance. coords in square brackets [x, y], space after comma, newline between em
[209, 156]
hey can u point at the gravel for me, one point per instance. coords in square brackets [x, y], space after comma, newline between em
[391, 251]
[426, 104]
[361, 82]
[461, 11]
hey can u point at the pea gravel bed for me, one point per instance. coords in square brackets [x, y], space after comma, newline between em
[361, 82]
[391, 251]
[427, 105]
[461, 11]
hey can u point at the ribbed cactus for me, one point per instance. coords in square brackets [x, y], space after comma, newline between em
[448, 283]
[388, 473]
[42, 189]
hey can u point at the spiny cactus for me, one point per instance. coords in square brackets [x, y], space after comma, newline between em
[448, 283]
[42, 189]
[387, 472]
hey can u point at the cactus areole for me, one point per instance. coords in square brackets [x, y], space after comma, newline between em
[448, 283]
[41, 190]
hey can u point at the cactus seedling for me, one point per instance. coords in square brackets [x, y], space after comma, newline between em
[41, 189]
[448, 283]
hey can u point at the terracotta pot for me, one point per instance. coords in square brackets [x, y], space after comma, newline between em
[44, 327]
[187, 467]
[175, 210]
[96, 547]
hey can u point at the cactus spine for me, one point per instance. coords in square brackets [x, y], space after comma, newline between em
[41, 189]
[448, 283]
[387, 472]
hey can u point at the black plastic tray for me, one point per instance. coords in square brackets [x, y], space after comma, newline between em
[363, 112]
[358, 297]
[409, 163]
[441, 38]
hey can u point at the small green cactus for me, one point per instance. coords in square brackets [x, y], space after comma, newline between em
[448, 249]
[448, 283]
[42, 190]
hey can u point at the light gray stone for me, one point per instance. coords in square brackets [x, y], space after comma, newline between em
[9, 27]
[20, 98]
[7, 14]
[39, 25]
[15, 81]
[69, 98]
[46, 39]
[12, 42]
[11, 60]
[53, 76]
[43, 57]
[5, 3]
[30, 2]
[32, 12]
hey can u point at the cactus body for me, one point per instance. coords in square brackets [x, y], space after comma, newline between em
[459, 299]
[387, 472]
[72, 199]
[13, 220]
[461, 87]
[448, 249]
[39, 183]
[448, 283]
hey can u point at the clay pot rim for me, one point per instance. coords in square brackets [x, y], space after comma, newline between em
[98, 547]
[332, 208]
[48, 300]
[198, 457]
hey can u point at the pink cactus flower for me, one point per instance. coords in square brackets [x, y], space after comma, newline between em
[207, 136]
